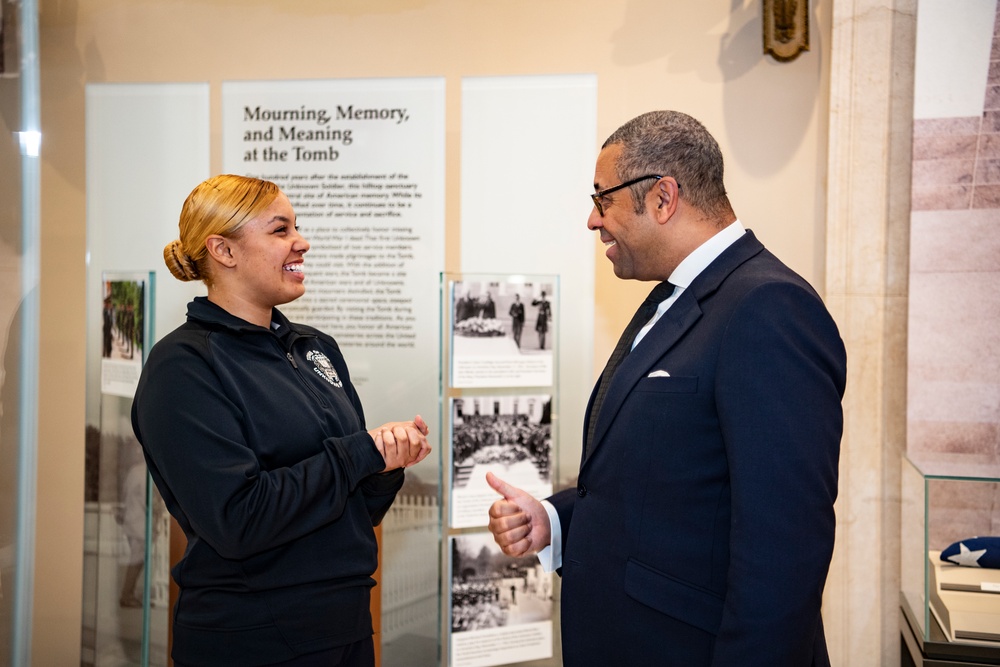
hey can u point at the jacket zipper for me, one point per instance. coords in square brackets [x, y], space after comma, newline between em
[291, 359]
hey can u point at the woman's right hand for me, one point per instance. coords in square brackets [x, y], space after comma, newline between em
[402, 444]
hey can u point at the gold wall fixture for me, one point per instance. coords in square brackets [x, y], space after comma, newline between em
[786, 28]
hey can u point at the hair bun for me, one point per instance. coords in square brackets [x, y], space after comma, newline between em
[181, 266]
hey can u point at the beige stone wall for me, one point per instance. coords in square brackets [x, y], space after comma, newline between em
[954, 348]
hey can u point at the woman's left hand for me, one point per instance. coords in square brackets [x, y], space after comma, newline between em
[402, 444]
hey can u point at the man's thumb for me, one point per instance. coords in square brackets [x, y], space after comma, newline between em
[500, 486]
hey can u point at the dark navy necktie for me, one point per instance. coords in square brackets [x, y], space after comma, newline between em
[624, 346]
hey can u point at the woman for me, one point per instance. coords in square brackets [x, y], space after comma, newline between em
[256, 439]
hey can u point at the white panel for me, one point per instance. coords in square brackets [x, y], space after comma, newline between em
[528, 150]
[954, 38]
[362, 146]
[147, 148]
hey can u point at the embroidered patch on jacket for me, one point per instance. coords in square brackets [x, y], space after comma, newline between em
[324, 367]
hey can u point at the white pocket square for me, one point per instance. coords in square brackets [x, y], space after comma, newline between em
[658, 374]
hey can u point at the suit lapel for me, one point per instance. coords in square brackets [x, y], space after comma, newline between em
[669, 329]
[664, 334]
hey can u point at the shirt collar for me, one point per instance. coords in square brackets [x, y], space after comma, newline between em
[705, 254]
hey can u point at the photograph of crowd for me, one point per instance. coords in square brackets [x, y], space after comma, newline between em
[491, 590]
[504, 431]
[510, 436]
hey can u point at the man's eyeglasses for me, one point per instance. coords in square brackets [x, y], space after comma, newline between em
[600, 194]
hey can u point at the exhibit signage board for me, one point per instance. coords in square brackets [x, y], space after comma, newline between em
[499, 394]
[510, 436]
[155, 138]
[502, 333]
[362, 163]
[501, 607]
[127, 554]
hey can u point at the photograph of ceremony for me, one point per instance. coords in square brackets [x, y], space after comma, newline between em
[498, 603]
[510, 436]
[503, 332]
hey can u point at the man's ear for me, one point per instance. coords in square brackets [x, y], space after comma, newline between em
[665, 193]
[219, 249]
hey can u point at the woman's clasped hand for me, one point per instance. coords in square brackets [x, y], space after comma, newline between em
[402, 444]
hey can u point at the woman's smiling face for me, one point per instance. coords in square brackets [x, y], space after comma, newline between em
[269, 257]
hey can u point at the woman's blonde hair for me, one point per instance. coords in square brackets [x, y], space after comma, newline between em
[221, 205]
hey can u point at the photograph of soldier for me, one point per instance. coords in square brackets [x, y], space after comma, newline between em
[122, 320]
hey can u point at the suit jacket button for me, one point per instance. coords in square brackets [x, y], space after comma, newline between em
[581, 490]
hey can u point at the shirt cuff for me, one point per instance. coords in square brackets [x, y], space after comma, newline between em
[551, 556]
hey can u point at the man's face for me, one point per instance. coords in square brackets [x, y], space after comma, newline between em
[626, 235]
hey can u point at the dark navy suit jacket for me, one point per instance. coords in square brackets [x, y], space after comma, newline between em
[702, 525]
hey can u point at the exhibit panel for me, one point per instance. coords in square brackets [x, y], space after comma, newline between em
[500, 401]
[126, 550]
[362, 163]
[126, 529]
[527, 170]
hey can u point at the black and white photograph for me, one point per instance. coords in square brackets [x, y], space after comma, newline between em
[503, 333]
[501, 607]
[510, 436]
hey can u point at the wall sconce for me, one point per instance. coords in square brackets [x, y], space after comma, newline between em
[786, 28]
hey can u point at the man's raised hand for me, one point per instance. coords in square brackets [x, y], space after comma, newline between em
[518, 521]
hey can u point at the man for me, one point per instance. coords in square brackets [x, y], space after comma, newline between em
[544, 315]
[701, 528]
[517, 319]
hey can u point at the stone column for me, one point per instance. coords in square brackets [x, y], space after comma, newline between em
[871, 116]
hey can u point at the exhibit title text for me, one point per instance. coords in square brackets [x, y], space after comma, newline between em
[305, 124]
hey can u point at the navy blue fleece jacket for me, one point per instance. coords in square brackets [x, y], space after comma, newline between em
[256, 440]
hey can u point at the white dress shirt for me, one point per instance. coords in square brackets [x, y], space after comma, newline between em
[551, 556]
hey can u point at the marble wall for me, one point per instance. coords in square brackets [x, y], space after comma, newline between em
[953, 376]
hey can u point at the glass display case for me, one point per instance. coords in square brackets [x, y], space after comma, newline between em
[126, 559]
[950, 613]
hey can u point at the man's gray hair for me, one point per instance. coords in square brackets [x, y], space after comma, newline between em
[671, 143]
